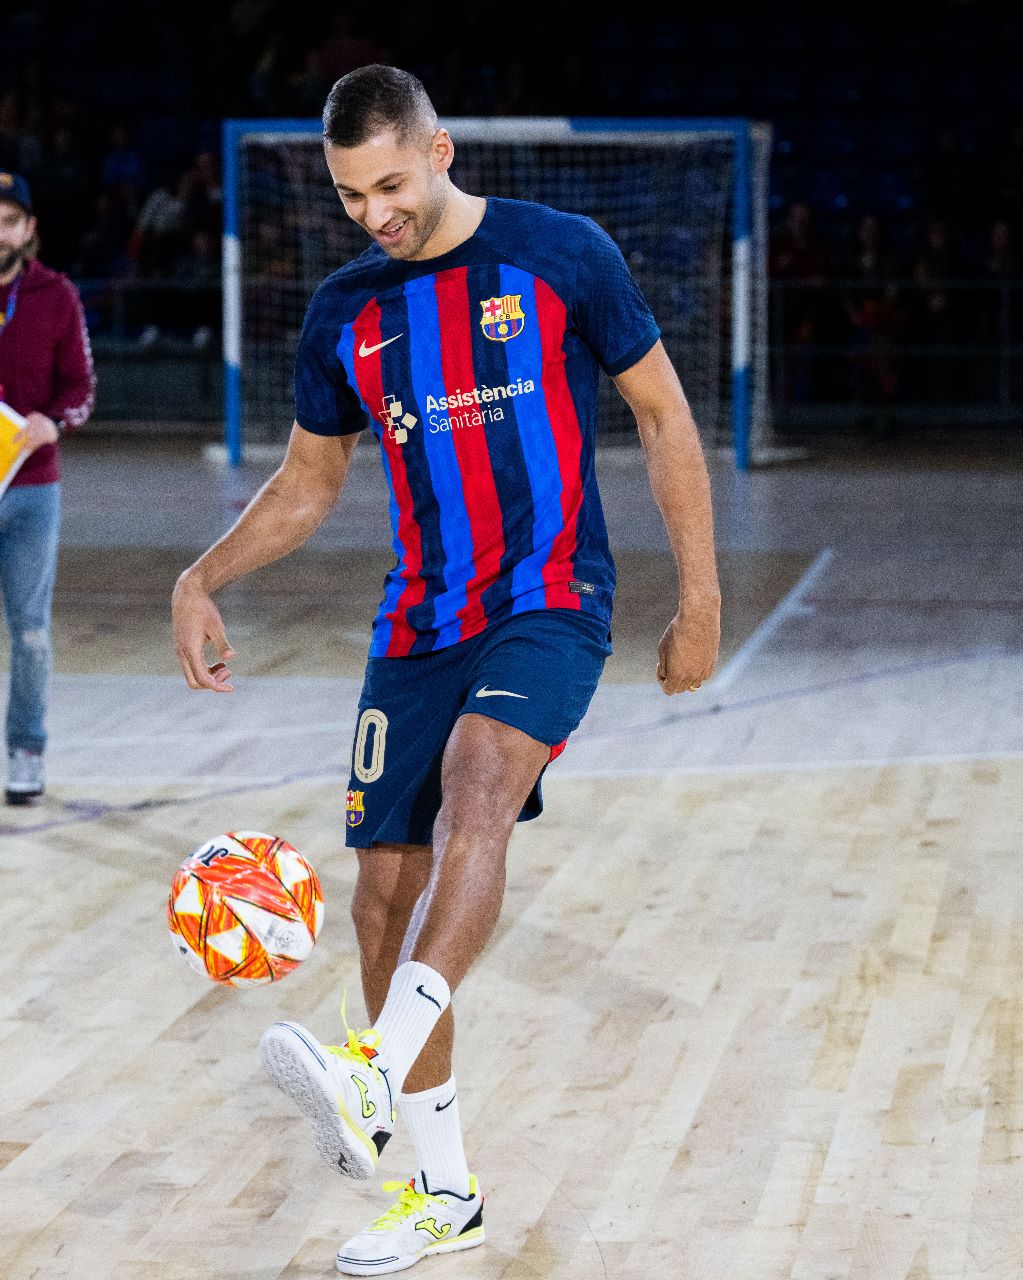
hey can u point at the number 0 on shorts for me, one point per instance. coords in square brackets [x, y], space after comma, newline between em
[369, 771]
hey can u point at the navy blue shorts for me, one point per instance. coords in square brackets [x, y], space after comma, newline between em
[536, 671]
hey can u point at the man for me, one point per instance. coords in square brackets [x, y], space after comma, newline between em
[468, 336]
[46, 376]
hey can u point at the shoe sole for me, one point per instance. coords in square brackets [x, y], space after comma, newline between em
[352, 1268]
[296, 1068]
[22, 798]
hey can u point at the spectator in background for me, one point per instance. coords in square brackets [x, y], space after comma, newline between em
[798, 254]
[20, 148]
[346, 48]
[1001, 261]
[1010, 183]
[159, 232]
[935, 317]
[105, 248]
[65, 193]
[123, 166]
[196, 309]
[1001, 265]
[876, 320]
[46, 376]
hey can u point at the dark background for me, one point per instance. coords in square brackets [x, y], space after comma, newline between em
[897, 174]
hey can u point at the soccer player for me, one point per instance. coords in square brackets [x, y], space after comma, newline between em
[469, 338]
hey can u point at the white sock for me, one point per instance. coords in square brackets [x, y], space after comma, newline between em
[416, 998]
[431, 1118]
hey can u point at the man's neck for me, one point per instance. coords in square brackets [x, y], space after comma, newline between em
[461, 218]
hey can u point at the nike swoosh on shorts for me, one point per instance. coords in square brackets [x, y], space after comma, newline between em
[368, 351]
[500, 693]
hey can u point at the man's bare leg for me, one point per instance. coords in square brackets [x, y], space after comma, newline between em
[392, 877]
[488, 772]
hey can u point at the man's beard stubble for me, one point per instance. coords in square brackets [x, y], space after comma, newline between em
[9, 260]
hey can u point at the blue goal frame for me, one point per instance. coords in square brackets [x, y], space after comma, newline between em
[739, 129]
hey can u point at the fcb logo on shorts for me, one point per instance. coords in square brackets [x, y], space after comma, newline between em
[503, 318]
[356, 809]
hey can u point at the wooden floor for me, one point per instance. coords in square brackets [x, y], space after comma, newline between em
[754, 1009]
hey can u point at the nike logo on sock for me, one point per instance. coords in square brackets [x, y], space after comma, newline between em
[444, 1106]
[500, 693]
[427, 996]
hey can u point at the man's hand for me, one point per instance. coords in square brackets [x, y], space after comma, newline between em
[689, 648]
[37, 431]
[197, 621]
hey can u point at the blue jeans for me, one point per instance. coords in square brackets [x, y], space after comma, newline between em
[29, 525]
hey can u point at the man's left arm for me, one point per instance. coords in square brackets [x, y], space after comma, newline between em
[681, 488]
[74, 380]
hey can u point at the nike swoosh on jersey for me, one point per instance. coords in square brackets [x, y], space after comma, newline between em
[500, 693]
[368, 351]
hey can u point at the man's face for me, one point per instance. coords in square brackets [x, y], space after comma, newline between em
[16, 230]
[395, 191]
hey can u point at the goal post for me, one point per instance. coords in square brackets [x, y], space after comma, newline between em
[686, 199]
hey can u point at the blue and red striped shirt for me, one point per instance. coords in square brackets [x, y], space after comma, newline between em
[478, 373]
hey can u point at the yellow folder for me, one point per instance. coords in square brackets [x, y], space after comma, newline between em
[12, 455]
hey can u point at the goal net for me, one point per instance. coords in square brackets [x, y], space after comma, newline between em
[685, 200]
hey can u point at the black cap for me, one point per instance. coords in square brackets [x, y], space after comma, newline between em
[14, 188]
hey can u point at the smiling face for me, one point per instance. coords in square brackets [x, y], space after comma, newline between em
[397, 191]
[16, 231]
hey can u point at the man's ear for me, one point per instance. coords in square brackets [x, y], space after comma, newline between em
[442, 151]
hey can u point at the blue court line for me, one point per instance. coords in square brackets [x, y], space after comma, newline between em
[79, 811]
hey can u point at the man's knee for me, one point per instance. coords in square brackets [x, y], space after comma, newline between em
[489, 770]
[390, 880]
[370, 911]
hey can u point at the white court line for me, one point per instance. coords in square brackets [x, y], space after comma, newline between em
[778, 616]
[255, 733]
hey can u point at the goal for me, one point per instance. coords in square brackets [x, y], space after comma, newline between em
[686, 200]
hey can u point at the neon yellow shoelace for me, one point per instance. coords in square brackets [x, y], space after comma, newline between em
[409, 1202]
[351, 1050]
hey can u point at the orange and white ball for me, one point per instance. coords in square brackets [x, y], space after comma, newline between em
[245, 908]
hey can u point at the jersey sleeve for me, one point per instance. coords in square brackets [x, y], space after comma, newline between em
[325, 403]
[611, 312]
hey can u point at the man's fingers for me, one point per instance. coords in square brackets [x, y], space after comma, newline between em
[222, 645]
[221, 676]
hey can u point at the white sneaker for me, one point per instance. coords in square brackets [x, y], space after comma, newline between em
[417, 1224]
[25, 776]
[341, 1090]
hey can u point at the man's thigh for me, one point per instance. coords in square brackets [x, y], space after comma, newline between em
[535, 672]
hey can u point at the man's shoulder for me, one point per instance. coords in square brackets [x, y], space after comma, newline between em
[545, 242]
[39, 277]
[527, 217]
[350, 285]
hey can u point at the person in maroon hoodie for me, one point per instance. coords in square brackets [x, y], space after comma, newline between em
[46, 375]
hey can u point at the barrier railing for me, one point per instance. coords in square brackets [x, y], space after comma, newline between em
[914, 348]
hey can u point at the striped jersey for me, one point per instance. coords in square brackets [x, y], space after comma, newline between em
[477, 372]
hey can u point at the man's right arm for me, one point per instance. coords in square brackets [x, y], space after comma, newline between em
[282, 516]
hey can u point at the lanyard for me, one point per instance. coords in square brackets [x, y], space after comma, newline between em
[12, 302]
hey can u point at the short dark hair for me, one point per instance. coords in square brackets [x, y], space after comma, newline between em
[376, 97]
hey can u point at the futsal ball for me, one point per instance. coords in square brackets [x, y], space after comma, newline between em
[245, 908]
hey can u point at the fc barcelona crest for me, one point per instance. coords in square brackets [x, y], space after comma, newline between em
[354, 806]
[503, 318]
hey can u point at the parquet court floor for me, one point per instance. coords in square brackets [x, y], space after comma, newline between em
[753, 1007]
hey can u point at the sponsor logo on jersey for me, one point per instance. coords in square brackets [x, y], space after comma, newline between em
[396, 420]
[356, 810]
[473, 408]
[503, 318]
